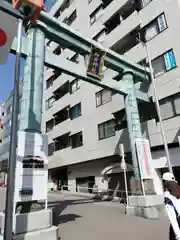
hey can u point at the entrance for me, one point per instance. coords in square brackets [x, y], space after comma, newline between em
[85, 184]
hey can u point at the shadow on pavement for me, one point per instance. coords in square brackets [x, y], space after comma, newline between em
[70, 217]
[59, 206]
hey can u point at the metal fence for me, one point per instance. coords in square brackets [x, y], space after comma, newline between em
[111, 194]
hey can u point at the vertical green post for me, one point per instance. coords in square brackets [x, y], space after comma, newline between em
[133, 121]
[31, 108]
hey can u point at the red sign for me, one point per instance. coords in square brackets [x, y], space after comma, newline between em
[3, 37]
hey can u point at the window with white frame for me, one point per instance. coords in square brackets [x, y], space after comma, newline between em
[106, 129]
[49, 103]
[164, 63]
[103, 97]
[155, 27]
[96, 14]
[74, 86]
[170, 106]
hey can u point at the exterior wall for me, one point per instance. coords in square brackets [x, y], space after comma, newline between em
[7, 111]
[91, 115]
[85, 170]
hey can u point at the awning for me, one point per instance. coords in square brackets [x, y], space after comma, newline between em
[115, 168]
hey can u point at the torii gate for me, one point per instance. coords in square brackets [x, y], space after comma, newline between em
[33, 49]
[36, 57]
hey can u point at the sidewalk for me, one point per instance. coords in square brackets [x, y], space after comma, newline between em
[87, 195]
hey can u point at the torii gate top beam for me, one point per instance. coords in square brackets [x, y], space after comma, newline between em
[6, 7]
[63, 34]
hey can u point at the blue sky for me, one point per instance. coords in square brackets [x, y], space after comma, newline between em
[7, 70]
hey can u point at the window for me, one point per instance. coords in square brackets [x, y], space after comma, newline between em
[57, 51]
[106, 129]
[49, 125]
[164, 63]
[96, 14]
[76, 140]
[120, 120]
[49, 82]
[144, 3]
[100, 36]
[62, 142]
[155, 27]
[57, 14]
[74, 86]
[75, 111]
[51, 149]
[103, 97]
[170, 106]
[71, 18]
[75, 58]
[49, 103]
[48, 44]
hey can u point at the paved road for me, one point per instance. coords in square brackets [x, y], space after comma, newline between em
[82, 219]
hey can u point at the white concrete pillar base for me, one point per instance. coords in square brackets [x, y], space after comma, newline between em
[150, 206]
[34, 225]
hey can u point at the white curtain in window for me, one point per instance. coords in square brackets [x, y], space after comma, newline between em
[98, 99]
[74, 87]
[51, 101]
[158, 66]
[106, 96]
[101, 131]
[109, 128]
[151, 31]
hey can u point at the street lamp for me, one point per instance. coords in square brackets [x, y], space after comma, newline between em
[157, 106]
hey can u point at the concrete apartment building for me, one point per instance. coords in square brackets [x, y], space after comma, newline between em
[6, 112]
[84, 123]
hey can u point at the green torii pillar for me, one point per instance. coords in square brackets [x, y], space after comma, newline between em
[31, 109]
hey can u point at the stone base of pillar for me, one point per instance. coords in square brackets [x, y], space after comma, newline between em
[34, 225]
[150, 206]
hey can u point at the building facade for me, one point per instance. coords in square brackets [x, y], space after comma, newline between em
[84, 123]
[6, 113]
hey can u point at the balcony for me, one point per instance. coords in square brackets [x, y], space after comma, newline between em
[120, 29]
[60, 123]
[61, 142]
[111, 9]
[61, 91]
[55, 74]
[171, 128]
[136, 54]
[60, 104]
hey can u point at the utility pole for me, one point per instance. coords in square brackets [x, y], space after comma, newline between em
[157, 106]
[8, 227]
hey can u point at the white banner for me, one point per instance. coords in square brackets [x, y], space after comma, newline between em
[144, 158]
[31, 167]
